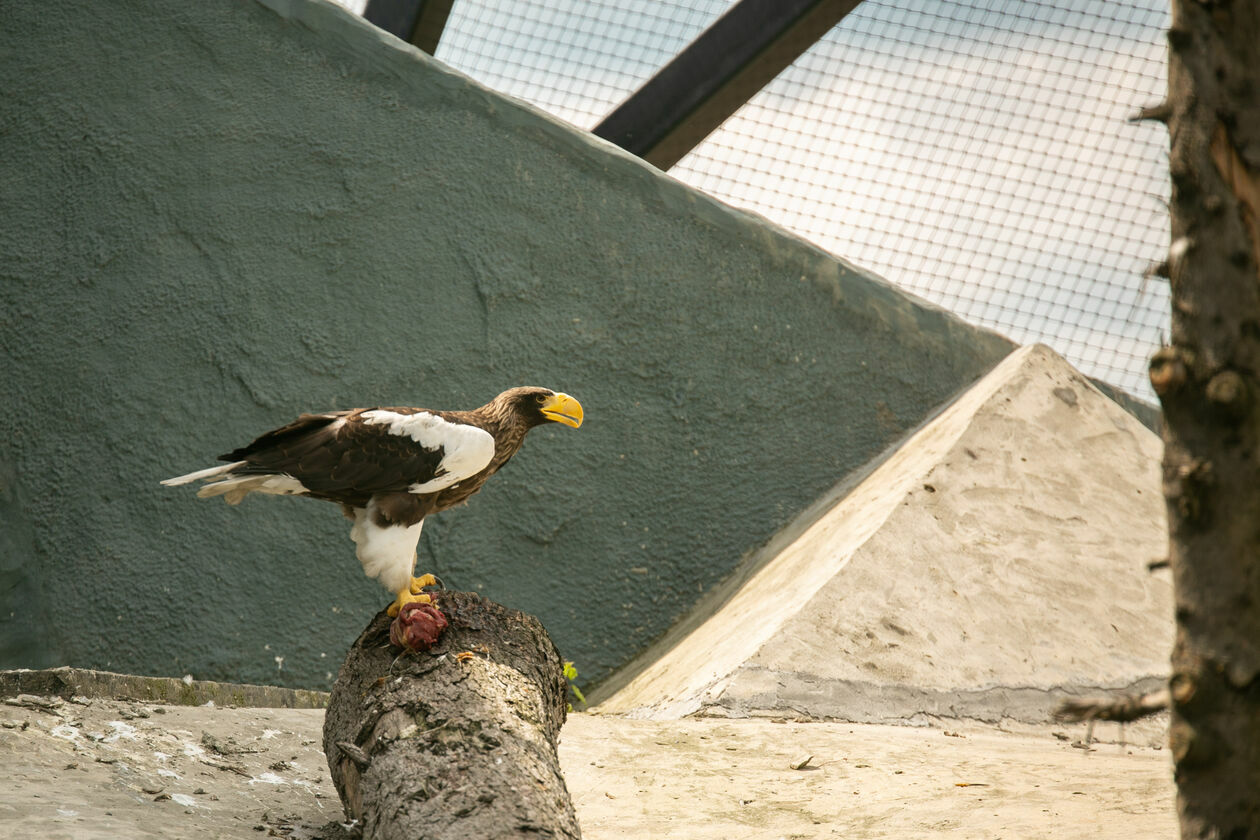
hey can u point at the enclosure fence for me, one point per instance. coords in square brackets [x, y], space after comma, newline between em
[976, 154]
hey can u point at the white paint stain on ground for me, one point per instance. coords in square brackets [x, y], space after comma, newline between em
[310, 787]
[269, 778]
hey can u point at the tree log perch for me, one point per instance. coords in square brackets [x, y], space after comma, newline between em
[455, 742]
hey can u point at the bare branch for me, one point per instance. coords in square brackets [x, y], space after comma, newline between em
[1122, 708]
[1154, 113]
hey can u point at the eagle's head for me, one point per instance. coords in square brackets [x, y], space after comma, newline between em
[535, 406]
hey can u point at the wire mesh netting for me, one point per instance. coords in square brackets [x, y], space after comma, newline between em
[576, 59]
[975, 153]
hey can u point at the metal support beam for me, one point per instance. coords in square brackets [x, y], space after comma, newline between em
[716, 74]
[419, 22]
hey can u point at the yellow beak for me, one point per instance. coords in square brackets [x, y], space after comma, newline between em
[563, 409]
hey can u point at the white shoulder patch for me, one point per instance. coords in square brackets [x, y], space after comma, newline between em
[467, 450]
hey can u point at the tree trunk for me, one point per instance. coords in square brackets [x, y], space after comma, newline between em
[455, 742]
[1207, 382]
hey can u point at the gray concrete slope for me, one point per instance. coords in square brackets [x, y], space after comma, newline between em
[220, 214]
[993, 563]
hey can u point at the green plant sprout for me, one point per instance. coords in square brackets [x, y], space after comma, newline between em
[571, 674]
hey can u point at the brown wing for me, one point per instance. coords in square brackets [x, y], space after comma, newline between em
[308, 430]
[344, 462]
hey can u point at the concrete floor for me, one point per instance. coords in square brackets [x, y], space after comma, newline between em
[114, 769]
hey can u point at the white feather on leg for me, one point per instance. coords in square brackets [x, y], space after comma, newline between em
[387, 554]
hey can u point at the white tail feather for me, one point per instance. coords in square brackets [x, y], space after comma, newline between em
[201, 474]
[233, 490]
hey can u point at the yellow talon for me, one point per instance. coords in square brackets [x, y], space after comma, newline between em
[419, 583]
[407, 597]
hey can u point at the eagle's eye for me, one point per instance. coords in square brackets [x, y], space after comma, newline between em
[540, 398]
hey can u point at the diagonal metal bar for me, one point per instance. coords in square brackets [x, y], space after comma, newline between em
[738, 55]
[419, 22]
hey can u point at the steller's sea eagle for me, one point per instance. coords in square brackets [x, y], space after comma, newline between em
[388, 468]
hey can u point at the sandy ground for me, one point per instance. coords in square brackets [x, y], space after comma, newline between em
[115, 769]
[726, 780]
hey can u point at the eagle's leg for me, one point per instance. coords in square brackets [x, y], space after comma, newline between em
[406, 596]
[413, 592]
[419, 583]
[385, 534]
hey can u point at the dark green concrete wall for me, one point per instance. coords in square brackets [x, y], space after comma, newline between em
[219, 214]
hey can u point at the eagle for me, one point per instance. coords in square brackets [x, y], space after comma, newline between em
[388, 468]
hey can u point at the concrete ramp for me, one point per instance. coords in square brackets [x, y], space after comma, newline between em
[992, 564]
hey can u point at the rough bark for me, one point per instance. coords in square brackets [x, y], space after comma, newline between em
[1207, 380]
[455, 742]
